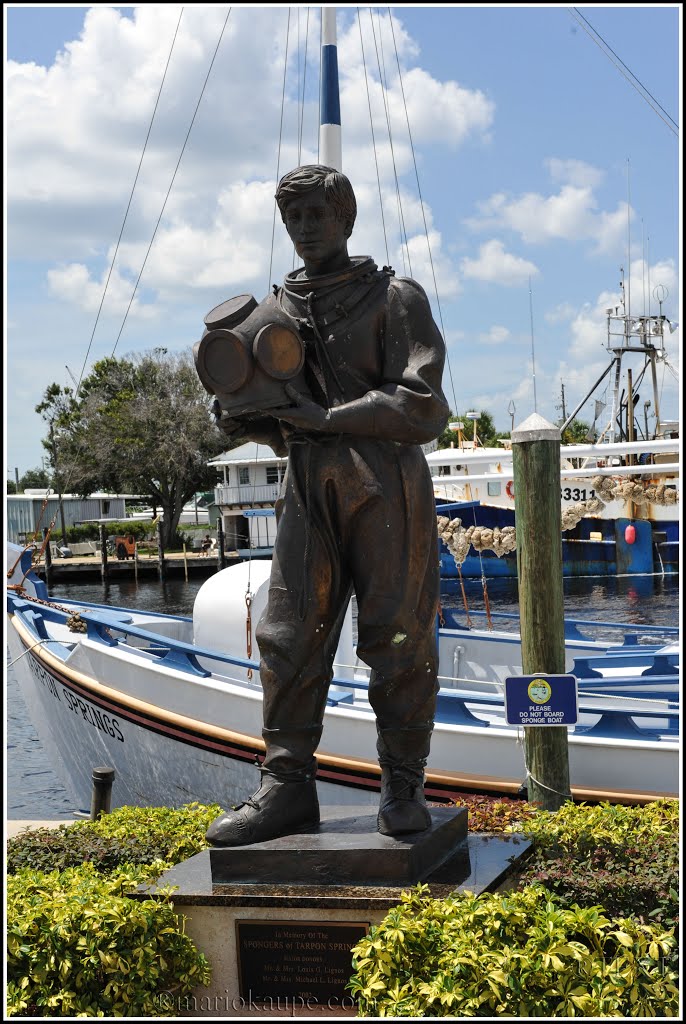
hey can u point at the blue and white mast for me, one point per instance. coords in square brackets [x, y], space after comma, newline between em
[330, 106]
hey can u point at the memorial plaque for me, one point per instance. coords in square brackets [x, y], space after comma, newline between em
[307, 961]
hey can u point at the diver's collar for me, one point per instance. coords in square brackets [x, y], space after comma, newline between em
[360, 266]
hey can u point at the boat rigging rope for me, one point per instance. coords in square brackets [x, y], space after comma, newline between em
[380, 59]
[421, 204]
[278, 155]
[371, 124]
[135, 288]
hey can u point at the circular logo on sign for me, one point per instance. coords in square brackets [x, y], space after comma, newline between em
[539, 691]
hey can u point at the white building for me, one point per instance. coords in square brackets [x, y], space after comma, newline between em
[252, 476]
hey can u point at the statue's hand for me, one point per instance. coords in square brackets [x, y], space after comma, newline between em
[229, 426]
[306, 413]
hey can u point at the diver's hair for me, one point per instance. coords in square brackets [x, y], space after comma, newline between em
[337, 189]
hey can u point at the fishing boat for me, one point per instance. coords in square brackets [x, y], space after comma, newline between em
[619, 493]
[174, 704]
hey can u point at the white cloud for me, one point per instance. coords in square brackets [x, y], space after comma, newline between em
[73, 284]
[563, 311]
[495, 336]
[75, 133]
[571, 214]
[496, 265]
[574, 172]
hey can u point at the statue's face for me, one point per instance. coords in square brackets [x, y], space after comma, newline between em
[319, 237]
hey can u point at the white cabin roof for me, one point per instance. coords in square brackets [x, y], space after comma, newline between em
[247, 455]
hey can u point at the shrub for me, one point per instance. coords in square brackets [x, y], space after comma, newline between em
[521, 954]
[77, 946]
[626, 858]
[129, 835]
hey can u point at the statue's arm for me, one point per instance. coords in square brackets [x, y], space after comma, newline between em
[260, 429]
[408, 406]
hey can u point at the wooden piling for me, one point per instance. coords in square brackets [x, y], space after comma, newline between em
[221, 560]
[161, 567]
[185, 563]
[536, 465]
[104, 572]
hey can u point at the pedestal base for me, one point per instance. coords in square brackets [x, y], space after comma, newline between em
[346, 849]
[282, 948]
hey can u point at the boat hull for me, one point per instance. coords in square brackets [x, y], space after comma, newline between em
[173, 737]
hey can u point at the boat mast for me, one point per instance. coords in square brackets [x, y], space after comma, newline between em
[330, 154]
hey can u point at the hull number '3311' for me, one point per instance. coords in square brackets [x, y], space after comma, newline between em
[576, 493]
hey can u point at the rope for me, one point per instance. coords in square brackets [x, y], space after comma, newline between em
[128, 206]
[464, 598]
[578, 16]
[278, 156]
[302, 108]
[173, 178]
[384, 91]
[371, 124]
[421, 203]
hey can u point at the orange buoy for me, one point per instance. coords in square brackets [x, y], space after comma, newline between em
[630, 534]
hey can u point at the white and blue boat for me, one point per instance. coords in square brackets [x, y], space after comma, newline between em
[174, 703]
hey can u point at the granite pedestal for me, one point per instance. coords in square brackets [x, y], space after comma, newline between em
[277, 920]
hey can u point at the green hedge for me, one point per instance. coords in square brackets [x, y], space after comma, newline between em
[589, 931]
[522, 954]
[77, 945]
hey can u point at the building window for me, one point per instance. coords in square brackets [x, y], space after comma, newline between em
[244, 474]
[444, 470]
[105, 508]
[494, 488]
[273, 475]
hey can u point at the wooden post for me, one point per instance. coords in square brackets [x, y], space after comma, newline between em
[103, 553]
[161, 568]
[221, 561]
[135, 561]
[48, 559]
[101, 797]
[185, 563]
[536, 464]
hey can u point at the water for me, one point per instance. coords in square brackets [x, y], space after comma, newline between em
[33, 790]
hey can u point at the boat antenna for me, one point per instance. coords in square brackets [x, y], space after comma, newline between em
[533, 358]
[330, 153]
[628, 233]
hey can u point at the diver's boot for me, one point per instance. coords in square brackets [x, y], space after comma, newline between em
[286, 802]
[402, 756]
[278, 808]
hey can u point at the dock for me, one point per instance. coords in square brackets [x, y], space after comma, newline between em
[89, 567]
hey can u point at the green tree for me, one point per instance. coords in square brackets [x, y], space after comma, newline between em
[56, 408]
[577, 432]
[33, 478]
[486, 433]
[142, 425]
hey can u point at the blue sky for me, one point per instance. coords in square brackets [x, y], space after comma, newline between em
[528, 141]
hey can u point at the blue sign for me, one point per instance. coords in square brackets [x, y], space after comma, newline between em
[541, 700]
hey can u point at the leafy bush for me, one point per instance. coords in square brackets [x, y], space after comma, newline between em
[129, 835]
[91, 531]
[523, 954]
[77, 946]
[626, 858]
[499, 814]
